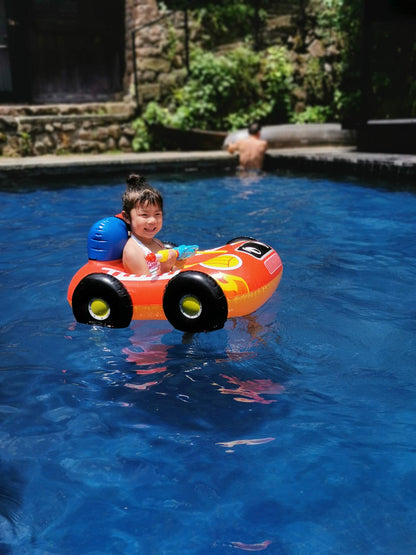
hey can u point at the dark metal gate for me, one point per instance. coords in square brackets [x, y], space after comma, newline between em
[65, 51]
[13, 61]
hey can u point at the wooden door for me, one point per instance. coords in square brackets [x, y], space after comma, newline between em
[5, 70]
[14, 82]
[61, 50]
[77, 50]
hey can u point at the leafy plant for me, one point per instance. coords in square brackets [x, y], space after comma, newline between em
[219, 85]
[226, 92]
[277, 83]
[142, 140]
[312, 114]
[25, 143]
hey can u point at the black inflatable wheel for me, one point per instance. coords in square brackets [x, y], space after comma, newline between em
[194, 302]
[237, 239]
[169, 245]
[102, 300]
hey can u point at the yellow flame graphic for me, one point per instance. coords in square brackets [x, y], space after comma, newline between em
[232, 283]
[223, 261]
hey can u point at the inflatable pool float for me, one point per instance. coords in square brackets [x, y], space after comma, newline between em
[298, 135]
[227, 281]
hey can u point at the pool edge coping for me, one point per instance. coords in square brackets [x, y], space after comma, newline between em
[324, 159]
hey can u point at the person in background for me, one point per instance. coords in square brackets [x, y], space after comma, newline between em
[251, 150]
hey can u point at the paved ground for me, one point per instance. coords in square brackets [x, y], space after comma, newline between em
[329, 160]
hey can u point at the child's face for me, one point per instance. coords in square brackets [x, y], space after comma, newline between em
[145, 220]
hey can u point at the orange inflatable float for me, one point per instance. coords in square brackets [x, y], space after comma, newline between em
[230, 280]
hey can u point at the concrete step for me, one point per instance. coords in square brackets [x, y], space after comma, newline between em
[86, 109]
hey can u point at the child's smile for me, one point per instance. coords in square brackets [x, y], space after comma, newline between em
[146, 220]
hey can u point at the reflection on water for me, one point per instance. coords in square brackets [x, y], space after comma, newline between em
[251, 546]
[251, 391]
[151, 358]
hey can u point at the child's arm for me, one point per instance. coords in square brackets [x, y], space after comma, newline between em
[134, 260]
[232, 148]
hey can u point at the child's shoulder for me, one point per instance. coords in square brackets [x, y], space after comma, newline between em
[131, 245]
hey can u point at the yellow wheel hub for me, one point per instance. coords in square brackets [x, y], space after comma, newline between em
[190, 306]
[99, 309]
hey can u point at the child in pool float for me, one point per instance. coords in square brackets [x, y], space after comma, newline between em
[143, 212]
[251, 150]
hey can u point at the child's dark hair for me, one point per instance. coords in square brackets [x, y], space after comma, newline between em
[139, 191]
[135, 181]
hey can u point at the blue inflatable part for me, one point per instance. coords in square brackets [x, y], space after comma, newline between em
[107, 238]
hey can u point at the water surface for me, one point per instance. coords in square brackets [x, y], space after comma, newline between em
[291, 431]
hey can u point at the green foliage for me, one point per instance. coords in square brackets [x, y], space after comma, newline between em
[226, 21]
[25, 143]
[142, 139]
[219, 85]
[225, 92]
[350, 29]
[278, 83]
[329, 14]
[155, 113]
[223, 21]
[312, 114]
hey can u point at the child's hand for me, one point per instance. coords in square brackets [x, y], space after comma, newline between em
[162, 255]
[178, 253]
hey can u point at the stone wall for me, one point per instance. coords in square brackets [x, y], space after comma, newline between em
[35, 131]
[158, 51]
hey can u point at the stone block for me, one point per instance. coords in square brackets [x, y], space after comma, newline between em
[11, 151]
[39, 149]
[148, 76]
[316, 49]
[102, 133]
[114, 131]
[124, 144]
[8, 123]
[158, 65]
[128, 131]
[69, 127]
[149, 92]
[63, 142]
[111, 144]
[85, 135]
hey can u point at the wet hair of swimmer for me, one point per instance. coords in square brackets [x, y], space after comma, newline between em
[138, 191]
[254, 128]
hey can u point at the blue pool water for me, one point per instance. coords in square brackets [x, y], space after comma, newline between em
[291, 431]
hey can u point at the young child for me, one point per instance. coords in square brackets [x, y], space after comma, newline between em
[143, 211]
[251, 150]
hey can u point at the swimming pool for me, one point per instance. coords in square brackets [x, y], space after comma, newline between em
[290, 431]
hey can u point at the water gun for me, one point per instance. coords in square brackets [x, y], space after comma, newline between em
[182, 252]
